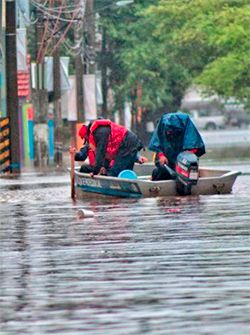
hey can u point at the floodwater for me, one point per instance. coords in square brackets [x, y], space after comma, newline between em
[148, 266]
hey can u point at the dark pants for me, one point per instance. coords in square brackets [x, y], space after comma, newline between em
[86, 169]
[126, 155]
[122, 163]
[160, 173]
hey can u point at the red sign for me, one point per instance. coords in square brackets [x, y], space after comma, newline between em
[23, 83]
[30, 112]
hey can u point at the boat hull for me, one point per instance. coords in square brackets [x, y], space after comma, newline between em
[210, 182]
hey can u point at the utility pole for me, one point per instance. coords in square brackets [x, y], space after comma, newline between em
[90, 24]
[104, 72]
[40, 93]
[57, 104]
[90, 78]
[79, 62]
[79, 70]
[40, 96]
[11, 83]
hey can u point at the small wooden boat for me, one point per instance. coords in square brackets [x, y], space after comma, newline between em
[210, 181]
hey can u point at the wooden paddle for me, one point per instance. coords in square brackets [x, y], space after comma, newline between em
[72, 171]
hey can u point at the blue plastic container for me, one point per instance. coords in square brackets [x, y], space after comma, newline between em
[128, 174]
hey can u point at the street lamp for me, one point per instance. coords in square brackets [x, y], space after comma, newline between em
[121, 3]
[124, 3]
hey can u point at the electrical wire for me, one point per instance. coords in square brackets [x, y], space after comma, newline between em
[72, 52]
[76, 46]
[49, 15]
[56, 9]
[46, 26]
[53, 8]
[79, 13]
[45, 43]
[72, 49]
[52, 35]
[66, 30]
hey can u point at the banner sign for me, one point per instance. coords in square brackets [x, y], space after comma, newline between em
[89, 97]
[5, 164]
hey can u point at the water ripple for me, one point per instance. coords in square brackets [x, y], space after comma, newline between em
[136, 267]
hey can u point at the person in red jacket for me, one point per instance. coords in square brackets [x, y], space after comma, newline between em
[84, 153]
[112, 142]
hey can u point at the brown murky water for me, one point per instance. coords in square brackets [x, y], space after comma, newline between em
[149, 266]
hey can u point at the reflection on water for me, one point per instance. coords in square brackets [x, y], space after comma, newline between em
[149, 266]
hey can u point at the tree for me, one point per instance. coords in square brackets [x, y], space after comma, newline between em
[137, 62]
[161, 47]
[211, 39]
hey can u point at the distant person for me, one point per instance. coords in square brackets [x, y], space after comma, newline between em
[175, 132]
[114, 146]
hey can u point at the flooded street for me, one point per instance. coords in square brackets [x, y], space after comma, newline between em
[100, 86]
[148, 266]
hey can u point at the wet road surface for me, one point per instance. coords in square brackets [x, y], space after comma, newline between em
[148, 266]
[226, 138]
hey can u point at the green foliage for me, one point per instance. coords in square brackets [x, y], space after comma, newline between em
[31, 41]
[137, 59]
[168, 45]
[211, 39]
[163, 46]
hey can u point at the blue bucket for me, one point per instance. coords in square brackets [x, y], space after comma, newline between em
[128, 174]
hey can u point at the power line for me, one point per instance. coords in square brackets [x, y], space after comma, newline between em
[66, 30]
[49, 15]
[52, 34]
[46, 26]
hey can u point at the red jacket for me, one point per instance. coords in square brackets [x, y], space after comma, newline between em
[115, 139]
[91, 157]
